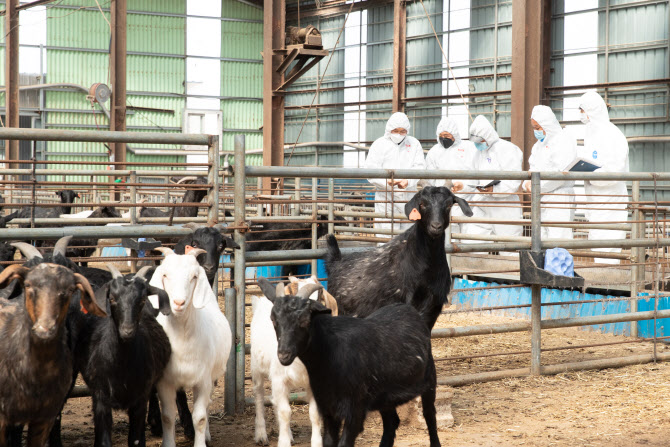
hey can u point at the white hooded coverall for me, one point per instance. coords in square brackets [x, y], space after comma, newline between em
[607, 146]
[385, 154]
[554, 153]
[458, 157]
[500, 155]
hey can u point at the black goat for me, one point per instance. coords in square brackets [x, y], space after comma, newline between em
[209, 239]
[6, 254]
[412, 268]
[4, 220]
[356, 365]
[67, 197]
[122, 357]
[191, 195]
[36, 367]
[283, 235]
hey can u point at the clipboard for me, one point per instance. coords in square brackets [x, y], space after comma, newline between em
[582, 165]
[491, 183]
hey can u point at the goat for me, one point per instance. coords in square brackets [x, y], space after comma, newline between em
[36, 367]
[67, 197]
[191, 195]
[96, 277]
[83, 248]
[356, 365]
[6, 254]
[122, 357]
[212, 241]
[200, 338]
[411, 268]
[283, 236]
[265, 364]
[4, 220]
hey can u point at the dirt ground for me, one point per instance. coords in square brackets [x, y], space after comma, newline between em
[614, 407]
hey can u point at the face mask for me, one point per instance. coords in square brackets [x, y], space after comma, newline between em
[397, 138]
[481, 146]
[584, 118]
[539, 134]
[446, 142]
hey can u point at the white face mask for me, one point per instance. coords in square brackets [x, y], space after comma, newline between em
[583, 117]
[397, 138]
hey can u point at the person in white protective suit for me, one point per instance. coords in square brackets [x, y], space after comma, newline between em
[451, 153]
[554, 150]
[607, 146]
[395, 150]
[493, 154]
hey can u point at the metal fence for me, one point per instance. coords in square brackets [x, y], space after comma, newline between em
[310, 196]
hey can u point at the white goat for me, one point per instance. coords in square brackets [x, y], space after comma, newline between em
[265, 364]
[200, 337]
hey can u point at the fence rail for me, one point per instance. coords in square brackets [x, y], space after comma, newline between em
[300, 204]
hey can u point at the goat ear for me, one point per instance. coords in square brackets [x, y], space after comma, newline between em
[230, 243]
[267, 289]
[202, 291]
[328, 301]
[87, 296]
[465, 207]
[163, 300]
[413, 204]
[317, 308]
[14, 271]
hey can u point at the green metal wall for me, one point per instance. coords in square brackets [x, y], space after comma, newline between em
[242, 75]
[77, 52]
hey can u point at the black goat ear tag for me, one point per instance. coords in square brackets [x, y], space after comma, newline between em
[415, 214]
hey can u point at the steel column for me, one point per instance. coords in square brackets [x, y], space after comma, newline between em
[536, 289]
[240, 267]
[12, 78]
[213, 179]
[117, 63]
[530, 66]
[637, 272]
[229, 393]
[399, 60]
[274, 25]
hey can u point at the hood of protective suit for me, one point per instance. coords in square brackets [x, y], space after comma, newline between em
[594, 106]
[546, 118]
[398, 119]
[448, 125]
[482, 128]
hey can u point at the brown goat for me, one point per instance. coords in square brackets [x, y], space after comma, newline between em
[36, 367]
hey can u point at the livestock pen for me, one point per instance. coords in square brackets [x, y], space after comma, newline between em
[300, 204]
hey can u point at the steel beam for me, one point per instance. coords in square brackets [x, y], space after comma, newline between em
[274, 25]
[117, 63]
[399, 59]
[530, 66]
[12, 78]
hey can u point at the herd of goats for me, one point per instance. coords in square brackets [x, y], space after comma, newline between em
[140, 340]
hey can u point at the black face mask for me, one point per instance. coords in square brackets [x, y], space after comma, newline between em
[446, 142]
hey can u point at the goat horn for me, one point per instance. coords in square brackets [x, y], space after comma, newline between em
[196, 252]
[61, 245]
[306, 291]
[28, 250]
[141, 273]
[279, 291]
[114, 271]
[165, 250]
[190, 178]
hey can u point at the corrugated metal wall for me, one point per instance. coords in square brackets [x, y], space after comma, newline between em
[491, 58]
[633, 44]
[380, 69]
[242, 75]
[77, 52]
[323, 124]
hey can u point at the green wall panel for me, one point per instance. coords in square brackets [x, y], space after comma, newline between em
[234, 9]
[242, 79]
[241, 40]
